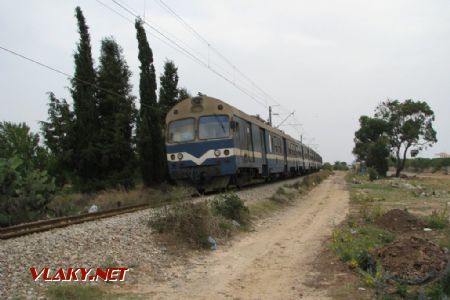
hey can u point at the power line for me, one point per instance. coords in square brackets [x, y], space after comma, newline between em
[233, 66]
[210, 47]
[186, 52]
[178, 48]
[60, 72]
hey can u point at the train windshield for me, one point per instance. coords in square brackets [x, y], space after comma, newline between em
[213, 127]
[182, 130]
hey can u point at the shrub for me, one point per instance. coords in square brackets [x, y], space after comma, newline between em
[24, 194]
[191, 222]
[445, 282]
[230, 206]
[435, 291]
[373, 174]
[438, 219]
[327, 166]
[282, 195]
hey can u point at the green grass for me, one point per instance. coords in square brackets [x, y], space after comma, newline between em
[75, 292]
[438, 219]
[354, 244]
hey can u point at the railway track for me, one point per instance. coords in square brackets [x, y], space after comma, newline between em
[44, 225]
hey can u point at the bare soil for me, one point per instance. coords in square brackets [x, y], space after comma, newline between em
[276, 261]
[398, 220]
[412, 260]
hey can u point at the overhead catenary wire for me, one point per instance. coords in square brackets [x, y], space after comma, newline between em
[163, 4]
[148, 32]
[189, 54]
[213, 49]
[58, 71]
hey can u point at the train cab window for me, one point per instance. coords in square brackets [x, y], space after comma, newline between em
[181, 130]
[213, 127]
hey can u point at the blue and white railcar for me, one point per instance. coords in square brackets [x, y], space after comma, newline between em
[211, 144]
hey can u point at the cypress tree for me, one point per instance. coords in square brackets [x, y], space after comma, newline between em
[168, 92]
[85, 151]
[149, 138]
[183, 93]
[116, 112]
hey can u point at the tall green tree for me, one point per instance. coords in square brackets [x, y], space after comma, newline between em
[149, 137]
[168, 92]
[25, 187]
[371, 143]
[86, 152]
[410, 125]
[116, 116]
[16, 140]
[58, 137]
[183, 93]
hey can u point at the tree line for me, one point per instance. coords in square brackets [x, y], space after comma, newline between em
[104, 139]
[100, 141]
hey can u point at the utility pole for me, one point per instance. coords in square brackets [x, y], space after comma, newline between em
[270, 115]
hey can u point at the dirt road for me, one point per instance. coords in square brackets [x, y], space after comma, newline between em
[274, 262]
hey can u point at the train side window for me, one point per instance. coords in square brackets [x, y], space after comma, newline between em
[270, 143]
[248, 136]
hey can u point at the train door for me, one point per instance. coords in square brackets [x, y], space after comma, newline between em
[262, 135]
[285, 155]
[247, 150]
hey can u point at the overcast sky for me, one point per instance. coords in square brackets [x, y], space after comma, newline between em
[330, 61]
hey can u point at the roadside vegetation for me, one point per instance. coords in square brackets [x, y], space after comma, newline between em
[204, 224]
[397, 236]
[428, 164]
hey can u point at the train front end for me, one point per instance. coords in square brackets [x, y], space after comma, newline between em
[199, 143]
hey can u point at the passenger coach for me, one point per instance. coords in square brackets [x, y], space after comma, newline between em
[212, 144]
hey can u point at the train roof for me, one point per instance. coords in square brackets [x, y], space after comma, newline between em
[201, 105]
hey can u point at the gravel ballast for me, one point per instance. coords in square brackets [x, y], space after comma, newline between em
[120, 241]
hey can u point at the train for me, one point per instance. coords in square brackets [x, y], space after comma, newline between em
[211, 145]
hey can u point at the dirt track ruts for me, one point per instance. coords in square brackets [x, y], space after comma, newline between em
[272, 263]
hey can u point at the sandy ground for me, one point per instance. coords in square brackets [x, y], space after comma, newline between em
[274, 262]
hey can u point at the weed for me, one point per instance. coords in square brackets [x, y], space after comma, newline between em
[438, 219]
[434, 291]
[374, 278]
[401, 289]
[445, 282]
[191, 222]
[354, 245]
[230, 206]
[75, 292]
[283, 195]
[370, 213]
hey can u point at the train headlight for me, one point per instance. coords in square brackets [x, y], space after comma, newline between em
[217, 152]
[180, 156]
[226, 152]
[172, 156]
